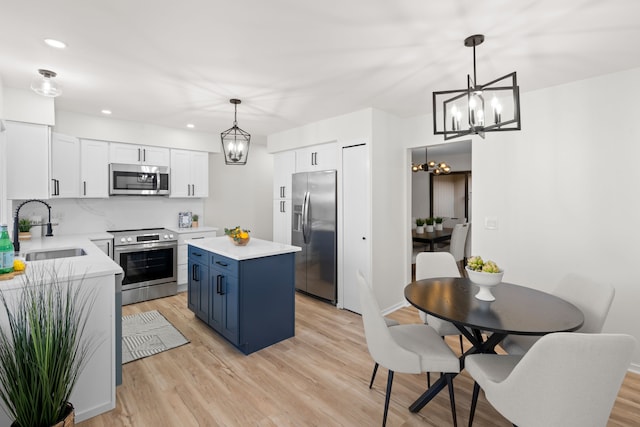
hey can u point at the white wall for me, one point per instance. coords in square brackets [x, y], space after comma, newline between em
[27, 106]
[242, 195]
[109, 129]
[389, 168]
[570, 201]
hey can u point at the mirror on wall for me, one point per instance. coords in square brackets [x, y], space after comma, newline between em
[447, 194]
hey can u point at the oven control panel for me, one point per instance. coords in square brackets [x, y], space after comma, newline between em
[133, 237]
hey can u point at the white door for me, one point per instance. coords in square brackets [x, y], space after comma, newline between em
[356, 212]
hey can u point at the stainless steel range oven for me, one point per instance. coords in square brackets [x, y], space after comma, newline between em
[149, 260]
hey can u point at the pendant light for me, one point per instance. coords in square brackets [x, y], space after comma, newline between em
[235, 141]
[463, 112]
[45, 85]
[436, 168]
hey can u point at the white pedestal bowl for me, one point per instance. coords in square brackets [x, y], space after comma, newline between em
[485, 282]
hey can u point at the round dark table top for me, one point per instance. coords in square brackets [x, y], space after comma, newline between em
[516, 310]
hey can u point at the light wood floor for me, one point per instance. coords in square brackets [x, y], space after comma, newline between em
[318, 378]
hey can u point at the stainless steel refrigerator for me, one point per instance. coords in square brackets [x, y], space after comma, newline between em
[314, 230]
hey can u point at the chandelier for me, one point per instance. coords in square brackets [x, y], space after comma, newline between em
[480, 108]
[235, 141]
[436, 168]
[45, 85]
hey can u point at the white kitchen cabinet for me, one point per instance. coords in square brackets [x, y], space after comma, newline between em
[284, 164]
[65, 166]
[27, 151]
[282, 221]
[184, 236]
[94, 168]
[189, 173]
[105, 245]
[133, 154]
[317, 157]
[79, 167]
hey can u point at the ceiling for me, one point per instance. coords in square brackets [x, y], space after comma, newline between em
[293, 62]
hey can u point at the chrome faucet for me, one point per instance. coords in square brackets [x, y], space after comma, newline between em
[16, 242]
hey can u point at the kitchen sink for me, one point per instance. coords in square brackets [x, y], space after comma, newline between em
[54, 254]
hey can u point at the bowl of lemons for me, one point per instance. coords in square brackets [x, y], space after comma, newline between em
[238, 235]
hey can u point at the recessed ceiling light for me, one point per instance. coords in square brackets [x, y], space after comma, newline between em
[55, 43]
[107, 112]
[190, 125]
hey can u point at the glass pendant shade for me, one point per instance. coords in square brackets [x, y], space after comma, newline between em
[235, 142]
[45, 85]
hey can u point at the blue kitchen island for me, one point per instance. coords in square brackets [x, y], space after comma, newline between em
[245, 293]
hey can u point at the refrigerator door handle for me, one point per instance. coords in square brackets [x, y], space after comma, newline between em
[305, 217]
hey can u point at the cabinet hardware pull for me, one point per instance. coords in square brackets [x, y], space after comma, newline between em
[188, 190]
[144, 154]
[197, 238]
[195, 254]
[84, 183]
[222, 264]
[57, 187]
[138, 154]
[194, 272]
[218, 286]
[193, 189]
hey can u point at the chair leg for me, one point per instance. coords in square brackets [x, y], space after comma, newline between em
[452, 399]
[428, 379]
[474, 401]
[387, 397]
[373, 376]
[461, 348]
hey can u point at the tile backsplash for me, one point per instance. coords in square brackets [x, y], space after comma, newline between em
[75, 216]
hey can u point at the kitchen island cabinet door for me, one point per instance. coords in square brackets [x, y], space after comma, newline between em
[199, 284]
[224, 314]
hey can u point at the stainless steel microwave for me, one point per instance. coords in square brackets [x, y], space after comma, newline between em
[138, 180]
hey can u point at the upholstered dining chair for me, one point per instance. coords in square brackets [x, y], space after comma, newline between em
[592, 298]
[437, 264]
[410, 348]
[565, 379]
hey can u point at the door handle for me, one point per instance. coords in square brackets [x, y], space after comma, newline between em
[219, 278]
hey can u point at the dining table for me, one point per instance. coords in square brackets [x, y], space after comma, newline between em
[432, 237]
[516, 310]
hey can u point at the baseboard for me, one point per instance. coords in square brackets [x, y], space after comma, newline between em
[635, 368]
[395, 307]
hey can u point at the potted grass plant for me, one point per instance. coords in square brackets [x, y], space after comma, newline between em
[429, 222]
[42, 348]
[438, 221]
[419, 225]
[24, 225]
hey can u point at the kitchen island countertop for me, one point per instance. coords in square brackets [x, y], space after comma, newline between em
[256, 248]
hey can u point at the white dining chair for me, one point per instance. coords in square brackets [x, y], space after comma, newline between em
[592, 298]
[437, 264]
[410, 348]
[565, 379]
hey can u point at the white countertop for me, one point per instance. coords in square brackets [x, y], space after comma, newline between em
[94, 263]
[192, 229]
[256, 248]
